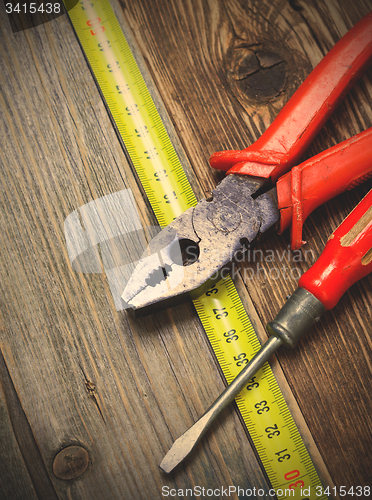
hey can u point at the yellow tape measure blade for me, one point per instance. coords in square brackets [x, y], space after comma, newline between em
[263, 408]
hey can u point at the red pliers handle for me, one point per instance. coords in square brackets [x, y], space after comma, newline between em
[281, 146]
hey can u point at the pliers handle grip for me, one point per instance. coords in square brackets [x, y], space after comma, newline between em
[322, 177]
[281, 146]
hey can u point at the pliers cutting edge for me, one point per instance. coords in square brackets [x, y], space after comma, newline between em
[262, 192]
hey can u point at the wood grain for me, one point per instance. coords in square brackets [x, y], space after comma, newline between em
[85, 374]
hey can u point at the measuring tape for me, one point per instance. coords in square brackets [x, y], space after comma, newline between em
[261, 404]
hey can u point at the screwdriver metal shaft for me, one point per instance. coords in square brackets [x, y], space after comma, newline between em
[185, 443]
[296, 317]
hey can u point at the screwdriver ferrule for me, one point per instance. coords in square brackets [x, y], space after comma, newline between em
[301, 311]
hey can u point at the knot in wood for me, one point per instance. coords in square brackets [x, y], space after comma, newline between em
[259, 73]
[70, 462]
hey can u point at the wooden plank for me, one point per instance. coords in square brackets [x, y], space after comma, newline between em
[86, 374]
[15, 481]
[197, 53]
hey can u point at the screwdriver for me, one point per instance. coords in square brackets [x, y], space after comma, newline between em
[346, 258]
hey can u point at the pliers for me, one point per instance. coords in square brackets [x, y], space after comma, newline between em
[265, 189]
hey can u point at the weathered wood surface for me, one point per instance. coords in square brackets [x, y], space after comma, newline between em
[74, 371]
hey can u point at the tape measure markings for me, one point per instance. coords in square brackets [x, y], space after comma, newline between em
[169, 192]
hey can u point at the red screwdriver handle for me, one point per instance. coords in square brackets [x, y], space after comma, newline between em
[321, 178]
[281, 146]
[346, 258]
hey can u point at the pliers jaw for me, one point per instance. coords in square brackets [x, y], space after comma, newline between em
[198, 248]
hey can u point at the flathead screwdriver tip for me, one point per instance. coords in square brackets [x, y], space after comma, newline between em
[183, 446]
[185, 443]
